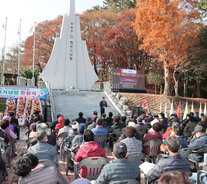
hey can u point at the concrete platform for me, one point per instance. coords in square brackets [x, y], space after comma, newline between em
[70, 103]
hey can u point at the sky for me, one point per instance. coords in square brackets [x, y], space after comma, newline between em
[30, 11]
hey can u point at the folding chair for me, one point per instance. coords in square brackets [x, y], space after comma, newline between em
[93, 165]
[154, 146]
[101, 139]
[202, 177]
[136, 157]
[129, 181]
[60, 141]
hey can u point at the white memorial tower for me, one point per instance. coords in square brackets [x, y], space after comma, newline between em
[69, 66]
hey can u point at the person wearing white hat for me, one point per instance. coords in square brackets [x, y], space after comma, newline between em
[73, 131]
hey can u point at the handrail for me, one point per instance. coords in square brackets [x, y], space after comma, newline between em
[51, 101]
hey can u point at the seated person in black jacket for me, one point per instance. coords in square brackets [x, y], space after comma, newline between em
[171, 162]
[198, 141]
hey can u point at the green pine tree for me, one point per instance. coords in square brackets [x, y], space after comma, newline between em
[120, 4]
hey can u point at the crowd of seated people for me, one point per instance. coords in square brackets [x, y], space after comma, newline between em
[174, 135]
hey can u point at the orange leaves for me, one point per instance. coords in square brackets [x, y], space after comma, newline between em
[165, 28]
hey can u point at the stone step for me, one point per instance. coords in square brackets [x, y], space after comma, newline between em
[70, 103]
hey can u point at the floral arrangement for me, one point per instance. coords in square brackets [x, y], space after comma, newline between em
[10, 106]
[36, 106]
[20, 107]
[27, 109]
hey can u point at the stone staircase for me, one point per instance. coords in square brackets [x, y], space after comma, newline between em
[70, 103]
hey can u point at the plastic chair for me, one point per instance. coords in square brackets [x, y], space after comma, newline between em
[129, 181]
[154, 146]
[2, 147]
[101, 139]
[201, 177]
[94, 166]
[31, 142]
[136, 157]
[60, 141]
[68, 152]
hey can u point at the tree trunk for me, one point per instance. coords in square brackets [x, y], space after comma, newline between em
[198, 88]
[167, 79]
[176, 80]
[185, 89]
[94, 58]
[160, 89]
[155, 89]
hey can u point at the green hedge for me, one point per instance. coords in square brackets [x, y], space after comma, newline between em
[2, 107]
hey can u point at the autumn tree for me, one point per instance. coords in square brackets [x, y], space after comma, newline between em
[94, 25]
[121, 43]
[112, 41]
[167, 30]
[45, 34]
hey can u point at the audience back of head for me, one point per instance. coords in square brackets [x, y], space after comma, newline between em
[25, 163]
[88, 136]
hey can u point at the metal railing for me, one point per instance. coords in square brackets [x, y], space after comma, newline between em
[51, 97]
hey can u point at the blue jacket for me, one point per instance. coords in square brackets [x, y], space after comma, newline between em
[119, 169]
[168, 163]
[99, 131]
[196, 144]
[44, 151]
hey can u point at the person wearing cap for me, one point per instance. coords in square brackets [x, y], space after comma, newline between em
[120, 168]
[198, 141]
[171, 162]
[90, 148]
[74, 130]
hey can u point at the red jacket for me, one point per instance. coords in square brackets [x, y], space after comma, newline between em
[89, 149]
[150, 136]
[59, 125]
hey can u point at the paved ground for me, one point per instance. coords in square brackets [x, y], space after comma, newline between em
[70, 103]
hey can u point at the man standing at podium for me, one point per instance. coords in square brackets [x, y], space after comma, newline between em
[103, 104]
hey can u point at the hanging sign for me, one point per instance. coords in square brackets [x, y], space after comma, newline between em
[15, 92]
